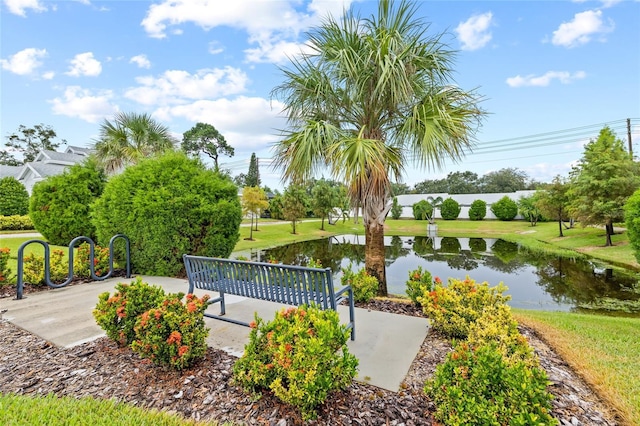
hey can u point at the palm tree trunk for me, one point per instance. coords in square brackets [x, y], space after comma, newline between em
[374, 255]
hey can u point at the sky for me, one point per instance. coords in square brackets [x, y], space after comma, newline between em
[551, 73]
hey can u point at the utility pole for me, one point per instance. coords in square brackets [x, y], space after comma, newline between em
[629, 137]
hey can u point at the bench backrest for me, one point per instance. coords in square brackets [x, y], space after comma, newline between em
[288, 284]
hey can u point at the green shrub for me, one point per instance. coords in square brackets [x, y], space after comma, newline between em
[632, 222]
[505, 208]
[396, 209]
[450, 209]
[301, 355]
[497, 326]
[422, 210]
[478, 210]
[173, 334]
[59, 205]
[5, 272]
[476, 386]
[117, 314]
[419, 283]
[81, 261]
[33, 268]
[15, 223]
[14, 198]
[168, 206]
[454, 308]
[364, 286]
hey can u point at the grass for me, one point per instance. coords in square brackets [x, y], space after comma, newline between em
[65, 411]
[604, 350]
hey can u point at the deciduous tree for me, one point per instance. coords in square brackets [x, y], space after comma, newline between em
[205, 138]
[29, 141]
[552, 200]
[254, 201]
[294, 204]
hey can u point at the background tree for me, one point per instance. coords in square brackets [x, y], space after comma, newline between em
[253, 175]
[552, 200]
[505, 180]
[254, 201]
[505, 208]
[463, 183]
[450, 209]
[324, 198]
[396, 209]
[29, 141]
[478, 210]
[367, 98]
[438, 186]
[601, 183]
[205, 138]
[14, 198]
[294, 204]
[399, 189]
[276, 206]
[240, 180]
[129, 138]
[169, 205]
[60, 205]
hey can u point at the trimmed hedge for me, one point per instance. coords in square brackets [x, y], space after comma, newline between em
[505, 208]
[15, 223]
[478, 210]
[14, 198]
[450, 209]
[168, 206]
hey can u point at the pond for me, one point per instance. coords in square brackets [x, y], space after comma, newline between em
[535, 281]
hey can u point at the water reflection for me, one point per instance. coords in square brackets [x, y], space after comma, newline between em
[535, 281]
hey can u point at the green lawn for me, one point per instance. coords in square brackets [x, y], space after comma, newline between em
[604, 350]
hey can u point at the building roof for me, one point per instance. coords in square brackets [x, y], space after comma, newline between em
[65, 158]
[79, 150]
[10, 171]
[41, 170]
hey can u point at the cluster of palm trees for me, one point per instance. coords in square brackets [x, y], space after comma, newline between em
[370, 97]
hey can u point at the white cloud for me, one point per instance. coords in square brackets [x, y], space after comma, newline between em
[584, 26]
[175, 86]
[268, 24]
[25, 62]
[215, 47]
[48, 75]
[245, 122]
[82, 103]
[274, 51]
[19, 7]
[474, 32]
[544, 80]
[141, 61]
[84, 64]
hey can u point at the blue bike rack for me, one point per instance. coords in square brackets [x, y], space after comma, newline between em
[47, 261]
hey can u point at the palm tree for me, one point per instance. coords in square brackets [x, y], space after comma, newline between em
[372, 96]
[130, 138]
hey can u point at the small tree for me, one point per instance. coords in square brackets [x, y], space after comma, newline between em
[450, 209]
[553, 200]
[422, 210]
[478, 210]
[59, 205]
[253, 175]
[396, 209]
[276, 206]
[205, 138]
[294, 204]
[505, 208]
[324, 198]
[14, 198]
[254, 201]
[529, 210]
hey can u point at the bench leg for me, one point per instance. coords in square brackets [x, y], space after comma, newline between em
[223, 309]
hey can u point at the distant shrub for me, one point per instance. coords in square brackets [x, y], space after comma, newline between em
[632, 222]
[14, 198]
[364, 286]
[505, 208]
[81, 261]
[422, 210]
[301, 356]
[15, 223]
[396, 209]
[6, 276]
[419, 283]
[33, 268]
[168, 206]
[478, 210]
[59, 205]
[450, 209]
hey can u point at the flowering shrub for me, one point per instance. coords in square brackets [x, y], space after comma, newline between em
[173, 334]
[478, 386]
[419, 282]
[100, 261]
[364, 286]
[497, 326]
[5, 271]
[301, 356]
[117, 314]
[33, 268]
[454, 308]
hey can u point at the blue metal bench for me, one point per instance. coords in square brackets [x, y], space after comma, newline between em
[287, 284]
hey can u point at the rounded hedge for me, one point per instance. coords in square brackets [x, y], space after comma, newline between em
[422, 210]
[169, 206]
[450, 209]
[505, 208]
[59, 205]
[478, 210]
[14, 198]
[632, 222]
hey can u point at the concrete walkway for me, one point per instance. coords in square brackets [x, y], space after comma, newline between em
[385, 344]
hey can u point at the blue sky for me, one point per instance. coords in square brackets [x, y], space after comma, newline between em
[551, 72]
